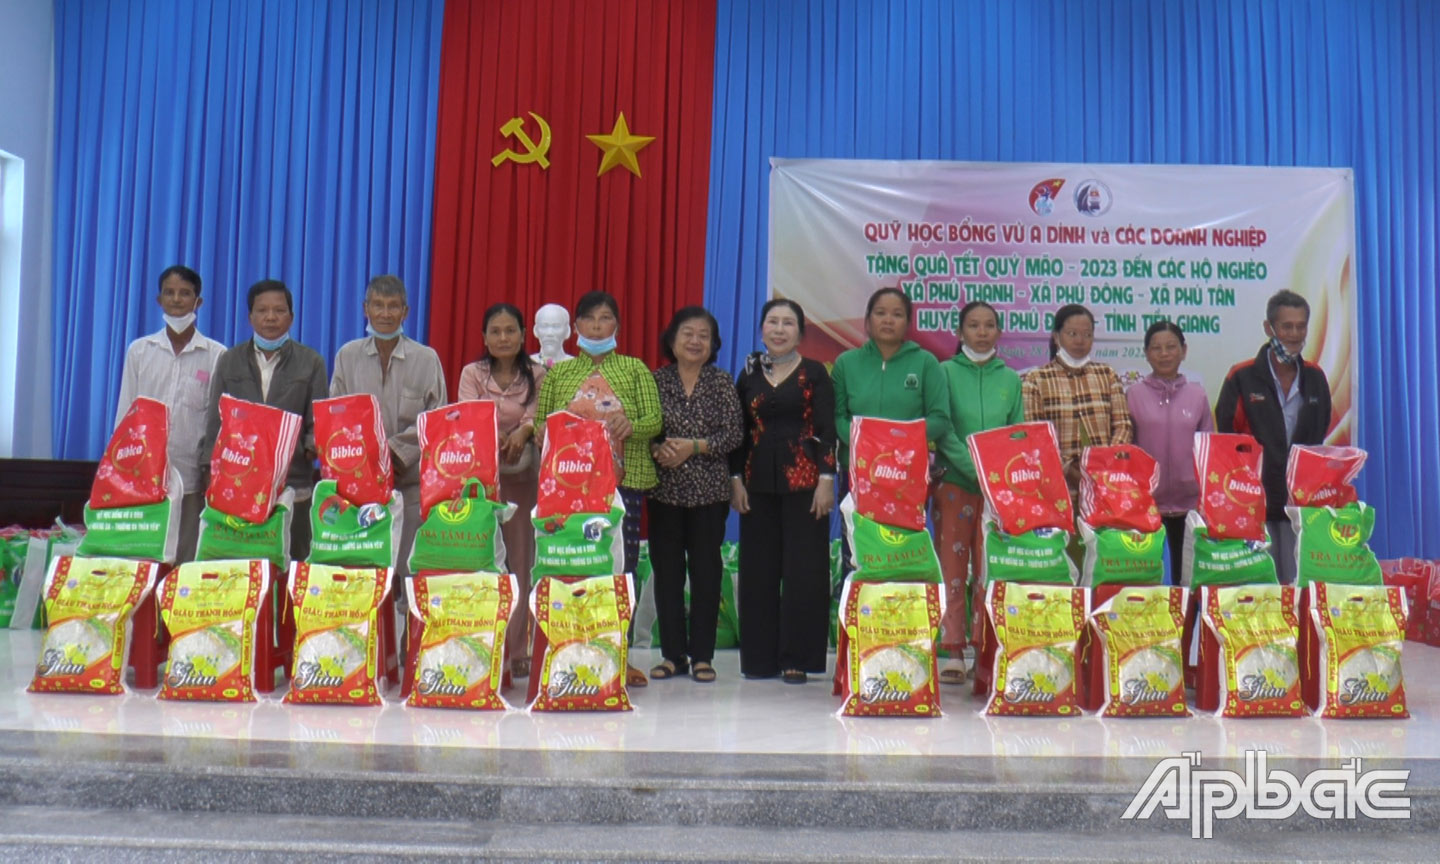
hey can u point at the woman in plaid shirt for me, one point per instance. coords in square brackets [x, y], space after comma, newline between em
[620, 391]
[1083, 399]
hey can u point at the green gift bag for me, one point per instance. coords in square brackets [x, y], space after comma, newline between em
[886, 553]
[580, 544]
[1208, 561]
[1332, 544]
[1032, 556]
[353, 535]
[462, 534]
[224, 537]
[1116, 556]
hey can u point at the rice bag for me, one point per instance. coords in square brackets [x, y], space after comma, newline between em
[1232, 494]
[1116, 556]
[891, 630]
[1332, 544]
[580, 544]
[251, 459]
[356, 535]
[1030, 556]
[577, 469]
[354, 452]
[224, 537]
[1362, 631]
[1117, 488]
[1210, 561]
[1022, 477]
[458, 443]
[337, 638]
[150, 531]
[210, 609]
[461, 660]
[1037, 628]
[888, 553]
[1140, 630]
[1319, 476]
[90, 603]
[890, 471]
[585, 623]
[462, 534]
[1258, 631]
[135, 469]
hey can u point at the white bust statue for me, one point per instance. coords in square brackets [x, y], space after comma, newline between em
[552, 328]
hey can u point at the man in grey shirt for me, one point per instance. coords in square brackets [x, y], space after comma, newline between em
[273, 369]
[405, 377]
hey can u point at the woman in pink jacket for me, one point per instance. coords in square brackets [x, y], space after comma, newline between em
[1167, 411]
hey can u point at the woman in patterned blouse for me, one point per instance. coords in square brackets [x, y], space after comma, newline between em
[602, 384]
[506, 376]
[1083, 399]
[689, 505]
[783, 485]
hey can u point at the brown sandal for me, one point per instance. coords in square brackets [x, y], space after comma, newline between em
[703, 673]
[665, 669]
[635, 678]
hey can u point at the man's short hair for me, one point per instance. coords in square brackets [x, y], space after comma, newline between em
[265, 285]
[1285, 297]
[386, 286]
[185, 274]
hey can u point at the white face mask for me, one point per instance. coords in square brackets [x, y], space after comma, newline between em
[1073, 362]
[180, 324]
[975, 356]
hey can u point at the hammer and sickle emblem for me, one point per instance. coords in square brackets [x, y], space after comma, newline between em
[515, 128]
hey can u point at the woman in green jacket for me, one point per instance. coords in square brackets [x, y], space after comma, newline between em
[888, 377]
[984, 394]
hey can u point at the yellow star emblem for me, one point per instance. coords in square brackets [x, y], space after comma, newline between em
[620, 147]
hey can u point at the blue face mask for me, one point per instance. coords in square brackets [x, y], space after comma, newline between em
[1277, 348]
[595, 347]
[385, 337]
[271, 344]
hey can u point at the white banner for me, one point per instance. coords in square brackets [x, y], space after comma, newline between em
[1204, 246]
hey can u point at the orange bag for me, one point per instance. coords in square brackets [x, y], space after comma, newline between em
[577, 471]
[136, 462]
[1022, 477]
[890, 471]
[1232, 495]
[353, 449]
[1117, 488]
[1320, 476]
[458, 443]
[251, 458]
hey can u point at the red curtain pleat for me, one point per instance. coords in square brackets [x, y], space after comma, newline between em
[529, 236]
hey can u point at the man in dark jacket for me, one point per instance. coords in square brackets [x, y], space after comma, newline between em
[275, 370]
[1281, 400]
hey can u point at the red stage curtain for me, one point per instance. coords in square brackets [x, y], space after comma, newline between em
[530, 236]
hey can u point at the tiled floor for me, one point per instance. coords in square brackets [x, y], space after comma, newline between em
[732, 716]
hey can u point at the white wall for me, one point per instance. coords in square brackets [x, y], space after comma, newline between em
[26, 121]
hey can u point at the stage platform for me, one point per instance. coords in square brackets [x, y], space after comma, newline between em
[735, 770]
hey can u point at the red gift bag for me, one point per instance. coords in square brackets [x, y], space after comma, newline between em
[134, 468]
[1232, 495]
[1117, 488]
[577, 470]
[458, 443]
[1320, 476]
[1022, 477]
[251, 458]
[890, 471]
[354, 451]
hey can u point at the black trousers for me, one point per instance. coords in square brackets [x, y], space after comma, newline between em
[784, 591]
[1175, 539]
[687, 539]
